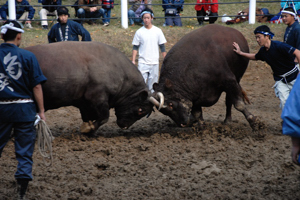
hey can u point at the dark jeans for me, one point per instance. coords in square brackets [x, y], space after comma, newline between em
[173, 20]
[25, 134]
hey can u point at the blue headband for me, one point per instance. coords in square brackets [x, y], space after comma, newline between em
[266, 33]
[145, 12]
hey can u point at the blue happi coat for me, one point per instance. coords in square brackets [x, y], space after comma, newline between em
[291, 112]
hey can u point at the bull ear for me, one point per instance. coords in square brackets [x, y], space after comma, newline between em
[168, 84]
[143, 96]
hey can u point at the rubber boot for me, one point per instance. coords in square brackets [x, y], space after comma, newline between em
[22, 185]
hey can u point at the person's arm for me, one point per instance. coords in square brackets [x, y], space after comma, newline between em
[250, 56]
[163, 50]
[51, 35]
[297, 54]
[295, 149]
[83, 32]
[4, 11]
[31, 12]
[38, 96]
[134, 53]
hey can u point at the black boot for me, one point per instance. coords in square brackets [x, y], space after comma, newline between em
[22, 185]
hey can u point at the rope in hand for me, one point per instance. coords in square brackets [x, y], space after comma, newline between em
[45, 138]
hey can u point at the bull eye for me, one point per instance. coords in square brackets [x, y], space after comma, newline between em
[140, 111]
[171, 105]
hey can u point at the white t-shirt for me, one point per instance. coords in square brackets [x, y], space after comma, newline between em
[148, 40]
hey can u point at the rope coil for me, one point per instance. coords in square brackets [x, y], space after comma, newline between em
[45, 138]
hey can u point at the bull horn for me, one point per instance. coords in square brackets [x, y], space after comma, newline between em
[162, 100]
[156, 103]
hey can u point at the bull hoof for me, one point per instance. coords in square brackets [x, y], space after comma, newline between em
[87, 127]
[255, 123]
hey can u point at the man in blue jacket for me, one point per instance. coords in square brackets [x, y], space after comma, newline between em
[24, 12]
[67, 30]
[172, 9]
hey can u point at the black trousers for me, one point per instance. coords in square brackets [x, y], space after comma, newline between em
[201, 14]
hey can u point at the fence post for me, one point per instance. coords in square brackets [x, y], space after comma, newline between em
[124, 14]
[12, 9]
[252, 11]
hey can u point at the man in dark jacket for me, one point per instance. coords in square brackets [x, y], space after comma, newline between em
[48, 8]
[67, 30]
[24, 11]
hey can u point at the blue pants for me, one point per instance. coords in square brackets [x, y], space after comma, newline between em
[106, 15]
[132, 19]
[173, 20]
[25, 134]
[81, 13]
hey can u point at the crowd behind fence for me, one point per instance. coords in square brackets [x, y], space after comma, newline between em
[153, 4]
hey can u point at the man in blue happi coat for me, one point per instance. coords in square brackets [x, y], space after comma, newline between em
[67, 30]
[21, 98]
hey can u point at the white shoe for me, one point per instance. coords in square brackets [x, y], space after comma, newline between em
[106, 24]
[28, 25]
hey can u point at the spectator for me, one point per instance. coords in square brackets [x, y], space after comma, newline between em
[67, 30]
[292, 32]
[51, 9]
[172, 10]
[147, 40]
[285, 4]
[107, 5]
[21, 98]
[134, 12]
[209, 11]
[24, 11]
[90, 9]
[280, 56]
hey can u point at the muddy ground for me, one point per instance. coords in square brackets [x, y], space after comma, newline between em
[154, 159]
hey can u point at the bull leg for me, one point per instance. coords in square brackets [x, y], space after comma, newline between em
[93, 118]
[234, 96]
[253, 121]
[198, 114]
[228, 103]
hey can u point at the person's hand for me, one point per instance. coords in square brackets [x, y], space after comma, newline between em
[236, 48]
[42, 115]
[295, 150]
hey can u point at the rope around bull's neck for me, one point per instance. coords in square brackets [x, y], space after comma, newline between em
[45, 139]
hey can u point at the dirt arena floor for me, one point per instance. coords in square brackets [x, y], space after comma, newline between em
[154, 159]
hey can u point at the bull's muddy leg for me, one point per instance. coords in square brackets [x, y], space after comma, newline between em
[253, 121]
[228, 103]
[234, 96]
[93, 118]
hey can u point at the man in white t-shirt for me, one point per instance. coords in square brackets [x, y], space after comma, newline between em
[147, 40]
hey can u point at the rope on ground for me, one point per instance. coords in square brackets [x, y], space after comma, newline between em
[45, 138]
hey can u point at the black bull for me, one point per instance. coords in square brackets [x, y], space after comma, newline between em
[93, 77]
[198, 69]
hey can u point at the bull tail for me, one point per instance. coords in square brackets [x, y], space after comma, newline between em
[245, 97]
